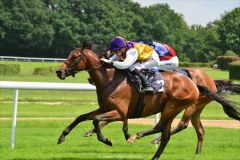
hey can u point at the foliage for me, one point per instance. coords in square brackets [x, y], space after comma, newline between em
[52, 28]
[234, 70]
[223, 61]
[230, 53]
[229, 31]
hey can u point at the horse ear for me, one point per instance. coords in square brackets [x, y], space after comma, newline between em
[83, 46]
[87, 45]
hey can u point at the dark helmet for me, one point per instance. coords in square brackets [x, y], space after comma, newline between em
[117, 43]
[151, 43]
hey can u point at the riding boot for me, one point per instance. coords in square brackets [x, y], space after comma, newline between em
[147, 86]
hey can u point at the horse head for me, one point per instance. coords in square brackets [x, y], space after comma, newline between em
[79, 59]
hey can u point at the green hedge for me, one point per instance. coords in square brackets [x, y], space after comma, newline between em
[44, 71]
[234, 70]
[195, 64]
[8, 69]
[224, 61]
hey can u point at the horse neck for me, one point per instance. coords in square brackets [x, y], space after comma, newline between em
[97, 72]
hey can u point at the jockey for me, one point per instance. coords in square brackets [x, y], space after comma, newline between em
[133, 56]
[168, 58]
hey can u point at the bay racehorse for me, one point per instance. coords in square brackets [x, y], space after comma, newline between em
[209, 91]
[117, 97]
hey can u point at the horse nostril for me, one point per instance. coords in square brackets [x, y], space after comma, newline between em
[58, 72]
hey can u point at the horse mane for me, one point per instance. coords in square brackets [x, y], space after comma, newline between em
[100, 50]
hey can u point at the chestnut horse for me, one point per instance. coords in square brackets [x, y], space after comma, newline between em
[117, 97]
[208, 89]
[193, 112]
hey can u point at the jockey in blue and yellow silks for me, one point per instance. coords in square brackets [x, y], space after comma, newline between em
[133, 56]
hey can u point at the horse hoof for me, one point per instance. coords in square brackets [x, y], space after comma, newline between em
[155, 141]
[60, 140]
[108, 142]
[132, 139]
[87, 134]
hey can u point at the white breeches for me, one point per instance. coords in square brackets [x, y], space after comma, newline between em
[152, 62]
[169, 65]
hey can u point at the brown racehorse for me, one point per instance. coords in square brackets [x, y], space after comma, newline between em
[208, 94]
[193, 112]
[117, 97]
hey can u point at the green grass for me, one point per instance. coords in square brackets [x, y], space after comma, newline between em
[37, 140]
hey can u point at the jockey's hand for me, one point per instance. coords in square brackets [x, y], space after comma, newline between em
[106, 60]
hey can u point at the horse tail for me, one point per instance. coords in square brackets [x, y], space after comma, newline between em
[228, 107]
[227, 86]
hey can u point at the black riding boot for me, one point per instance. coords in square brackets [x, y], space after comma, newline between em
[147, 86]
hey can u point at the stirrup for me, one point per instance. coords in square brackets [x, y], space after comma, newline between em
[148, 89]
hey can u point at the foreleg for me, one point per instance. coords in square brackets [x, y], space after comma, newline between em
[108, 116]
[84, 117]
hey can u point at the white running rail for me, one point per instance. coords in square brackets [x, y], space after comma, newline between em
[30, 59]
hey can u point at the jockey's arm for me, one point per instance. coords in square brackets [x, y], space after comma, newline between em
[131, 58]
[113, 58]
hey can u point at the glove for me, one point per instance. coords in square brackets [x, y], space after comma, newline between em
[106, 60]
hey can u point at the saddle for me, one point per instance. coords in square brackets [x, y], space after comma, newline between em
[153, 76]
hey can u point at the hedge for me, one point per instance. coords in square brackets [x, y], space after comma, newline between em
[44, 71]
[8, 69]
[195, 64]
[234, 70]
[224, 61]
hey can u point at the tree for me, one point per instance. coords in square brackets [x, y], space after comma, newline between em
[228, 28]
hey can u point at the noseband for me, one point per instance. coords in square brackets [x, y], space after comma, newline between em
[79, 58]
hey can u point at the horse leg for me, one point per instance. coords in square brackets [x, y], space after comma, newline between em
[83, 117]
[125, 129]
[108, 116]
[104, 123]
[165, 138]
[199, 129]
[183, 124]
[90, 132]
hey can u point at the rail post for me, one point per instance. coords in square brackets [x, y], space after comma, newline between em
[14, 117]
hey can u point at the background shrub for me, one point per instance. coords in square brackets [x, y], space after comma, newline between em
[224, 61]
[195, 64]
[44, 70]
[234, 70]
[8, 69]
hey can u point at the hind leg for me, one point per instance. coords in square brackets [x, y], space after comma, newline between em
[199, 129]
[183, 124]
[167, 115]
[92, 131]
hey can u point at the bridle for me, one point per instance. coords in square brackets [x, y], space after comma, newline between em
[73, 67]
